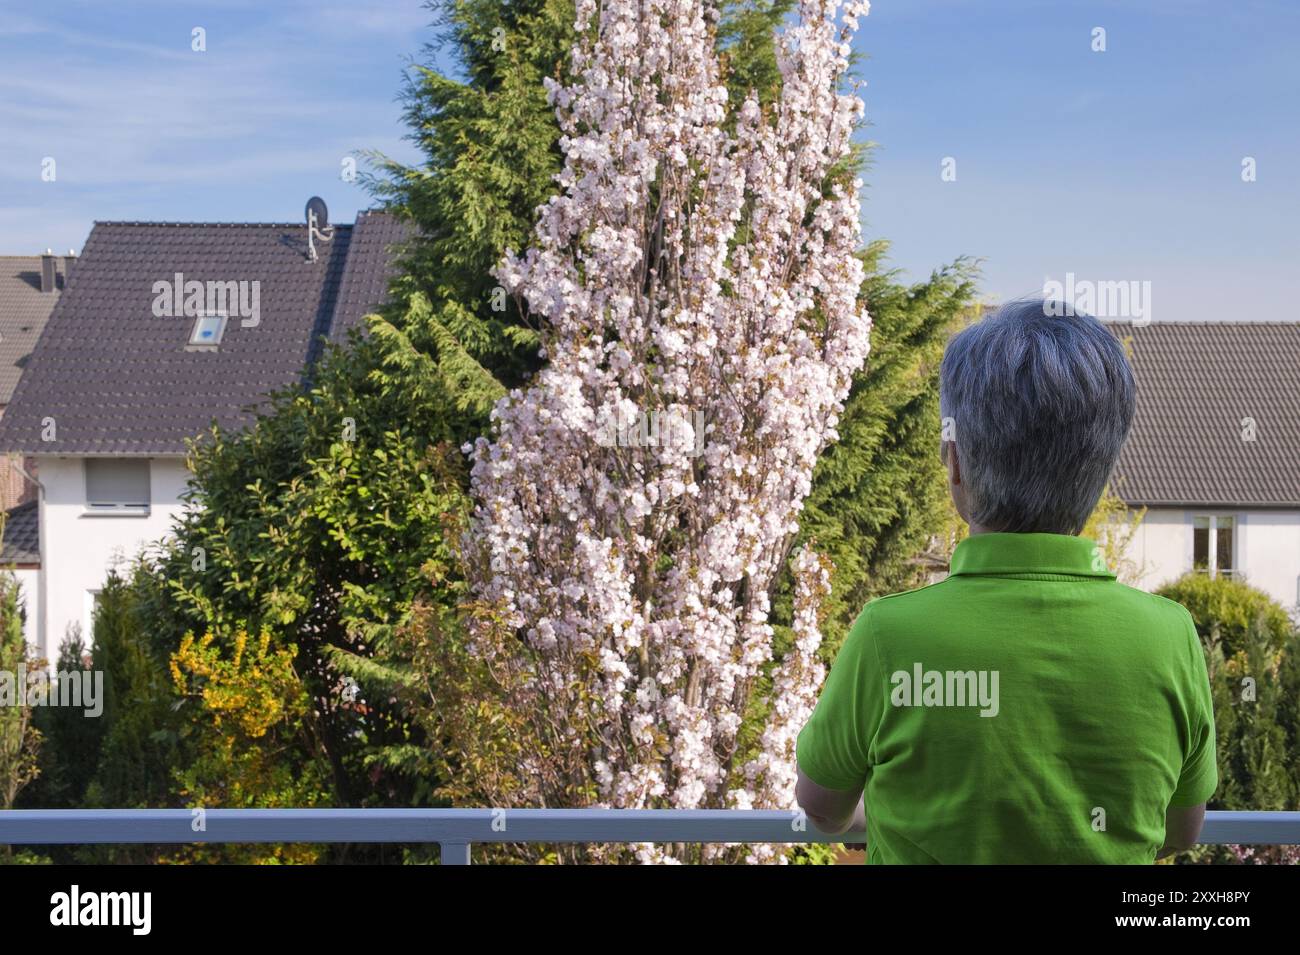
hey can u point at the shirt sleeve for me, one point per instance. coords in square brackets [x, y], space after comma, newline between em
[833, 747]
[1200, 775]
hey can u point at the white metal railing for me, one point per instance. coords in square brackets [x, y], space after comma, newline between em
[455, 830]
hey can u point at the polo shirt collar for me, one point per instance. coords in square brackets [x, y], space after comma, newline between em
[1029, 554]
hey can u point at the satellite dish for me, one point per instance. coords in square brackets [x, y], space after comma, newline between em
[316, 206]
[318, 225]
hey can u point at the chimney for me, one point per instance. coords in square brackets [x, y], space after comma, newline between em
[47, 271]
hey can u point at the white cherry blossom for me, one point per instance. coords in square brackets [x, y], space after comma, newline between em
[689, 263]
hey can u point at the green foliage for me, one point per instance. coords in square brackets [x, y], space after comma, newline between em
[1225, 609]
[139, 729]
[251, 707]
[1113, 525]
[124, 757]
[20, 740]
[489, 146]
[73, 740]
[23, 857]
[878, 493]
[748, 54]
[1255, 770]
[1253, 658]
[316, 526]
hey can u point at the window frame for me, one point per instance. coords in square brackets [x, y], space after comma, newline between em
[93, 509]
[192, 345]
[1212, 570]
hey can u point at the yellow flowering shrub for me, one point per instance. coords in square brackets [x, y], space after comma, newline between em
[252, 708]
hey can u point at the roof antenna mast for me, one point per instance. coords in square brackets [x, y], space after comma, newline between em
[318, 225]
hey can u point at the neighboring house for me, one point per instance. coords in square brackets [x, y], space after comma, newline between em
[116, 387]
[30, 286]
[1214, 456]
[21, 556]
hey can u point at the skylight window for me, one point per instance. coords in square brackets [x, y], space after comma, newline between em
[208, 330]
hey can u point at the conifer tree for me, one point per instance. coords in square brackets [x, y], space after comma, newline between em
[20, 740]
[879, 493]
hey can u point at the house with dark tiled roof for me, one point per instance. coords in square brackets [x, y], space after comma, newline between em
[1214, 455]
[30, 285]
[162, 330]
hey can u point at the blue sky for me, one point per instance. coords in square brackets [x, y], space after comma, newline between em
[1115, 165]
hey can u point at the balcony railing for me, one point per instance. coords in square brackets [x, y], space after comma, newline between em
[455, 830]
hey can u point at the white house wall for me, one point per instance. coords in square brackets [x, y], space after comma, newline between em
[79, 548]
[1268, 548]
[1162, 548]
[1271, 545]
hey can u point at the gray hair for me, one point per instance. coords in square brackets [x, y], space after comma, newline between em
[1040, 405]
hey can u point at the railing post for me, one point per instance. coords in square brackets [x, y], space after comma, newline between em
[455, 853]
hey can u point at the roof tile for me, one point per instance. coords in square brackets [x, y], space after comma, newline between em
[116, 379]
[24, 310]
[1200, 386]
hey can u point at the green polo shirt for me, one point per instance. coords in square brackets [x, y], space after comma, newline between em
[1029, 709]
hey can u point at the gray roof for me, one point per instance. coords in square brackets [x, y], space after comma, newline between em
[372, 262]
[22, 540]
[24, 310]
[118, 380]
[1197, 382]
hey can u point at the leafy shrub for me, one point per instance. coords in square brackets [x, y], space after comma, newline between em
[1224, 609]
[1253, 658]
